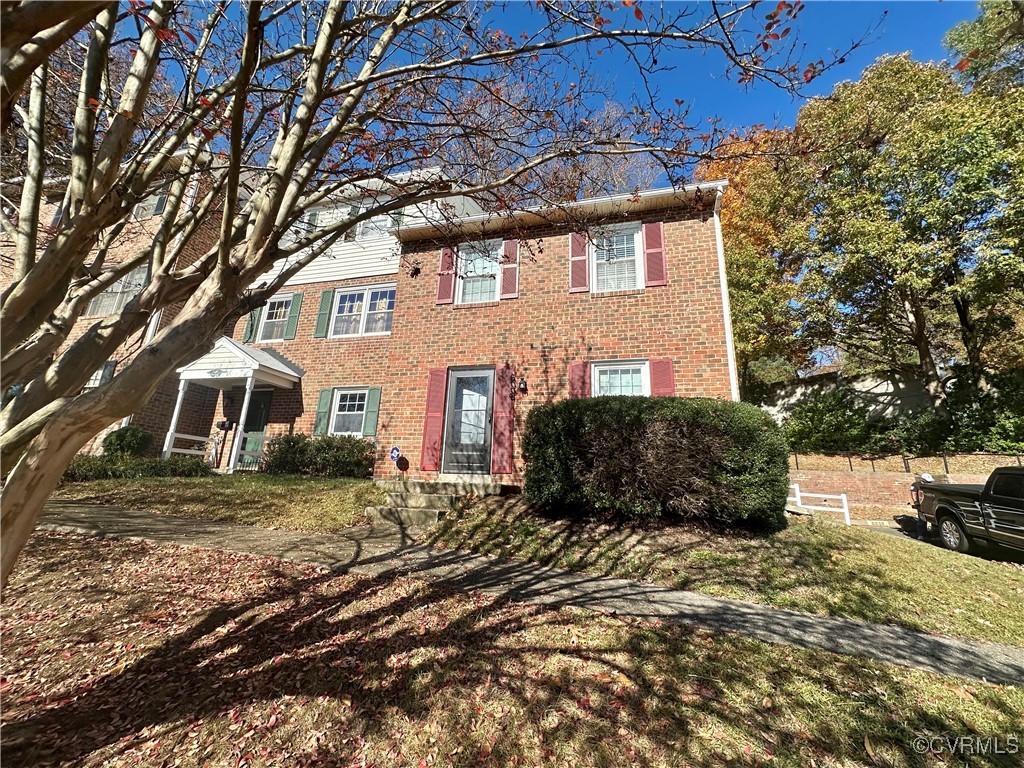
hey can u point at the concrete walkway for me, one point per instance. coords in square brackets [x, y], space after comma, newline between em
[394, 550]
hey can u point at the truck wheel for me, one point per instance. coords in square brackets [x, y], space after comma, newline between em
[953, 535]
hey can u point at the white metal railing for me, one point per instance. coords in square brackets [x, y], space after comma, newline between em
[174, 436]
[250, 458]
[799, 498]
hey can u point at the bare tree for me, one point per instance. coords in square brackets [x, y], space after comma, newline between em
[250, 115]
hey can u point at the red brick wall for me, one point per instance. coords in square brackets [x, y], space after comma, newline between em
[886, 488]
[538, 334]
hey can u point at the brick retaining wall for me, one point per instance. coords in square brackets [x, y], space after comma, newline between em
[889, 488]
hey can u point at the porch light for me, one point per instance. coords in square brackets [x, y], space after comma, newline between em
[522, 386]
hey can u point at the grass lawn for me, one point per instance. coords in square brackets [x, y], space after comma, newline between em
[122, 653]
[268, 501]
[814, 566]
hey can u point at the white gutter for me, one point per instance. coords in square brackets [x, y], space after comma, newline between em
[593, 202]
[730, 347]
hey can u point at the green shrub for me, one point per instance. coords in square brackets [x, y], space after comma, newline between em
[287, 455]
[128, 441]
[326, 456]
[697, 458]
[832, 421]
[85, 468]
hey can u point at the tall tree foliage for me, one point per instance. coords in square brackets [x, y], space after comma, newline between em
[991, 47]
[915, 219]
[276, 108]
[761, 211]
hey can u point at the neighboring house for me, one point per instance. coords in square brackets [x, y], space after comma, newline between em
[884, 395]
[438, 339]
[136, 236]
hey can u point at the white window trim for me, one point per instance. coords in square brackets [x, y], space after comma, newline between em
[266, 313]
[638, 256]
[335, 397]
[119, 289]
[606, 365]
[159, 201]
[496, 275]
[365, 290]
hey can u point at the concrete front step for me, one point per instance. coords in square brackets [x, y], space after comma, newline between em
[403, 516]
[459, 488]
[422, 500]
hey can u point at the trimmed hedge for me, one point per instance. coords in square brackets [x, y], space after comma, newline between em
[697, 458]
[118, 467]
[128, 441]
[325, 456]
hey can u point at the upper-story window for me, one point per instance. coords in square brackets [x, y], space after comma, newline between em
[629, 377]
[120, 293]
[363, 311]
[615, 259]
[375, 227]
[151, 206]
[275, 319]
[477, 272]
[102, 375]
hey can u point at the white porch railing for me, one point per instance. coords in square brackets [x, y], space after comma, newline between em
[249, 458]
[174, 436]
[799, 498]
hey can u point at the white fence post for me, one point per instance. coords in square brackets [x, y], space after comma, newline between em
[799, 501]
[846, 509]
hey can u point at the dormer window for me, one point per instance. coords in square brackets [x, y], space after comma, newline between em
[149, 207]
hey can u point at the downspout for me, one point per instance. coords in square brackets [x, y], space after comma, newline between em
[730, 347]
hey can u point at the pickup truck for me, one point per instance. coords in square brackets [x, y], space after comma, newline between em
[963, 514]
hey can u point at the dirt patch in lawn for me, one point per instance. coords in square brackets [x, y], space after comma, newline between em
[814, 565]
[127, 654]
[267, 501]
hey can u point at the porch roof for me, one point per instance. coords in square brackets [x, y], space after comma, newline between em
[231, 363]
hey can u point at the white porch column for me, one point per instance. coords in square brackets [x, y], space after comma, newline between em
[240, 429]
[169, 440]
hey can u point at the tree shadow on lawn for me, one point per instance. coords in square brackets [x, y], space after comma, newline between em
[815, 567]
[339, 668]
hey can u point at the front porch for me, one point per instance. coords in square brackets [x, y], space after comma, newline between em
[228, 367]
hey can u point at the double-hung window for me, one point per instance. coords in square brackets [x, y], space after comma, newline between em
[477, 272]
[348, 412]
[102, 375]
[151, 206]
[120, 293]
[275, 319]
[374, 228]
[363, 311]
[620, 377]
[616, 259]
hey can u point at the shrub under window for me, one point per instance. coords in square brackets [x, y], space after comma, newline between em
[703, 459]
[325, 456]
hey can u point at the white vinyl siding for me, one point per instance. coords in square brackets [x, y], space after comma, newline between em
[364, 256]
[275, 319]
[348, 412]
[363, 311]
[630, 377]
[477, 272]
[615, 259]
[120, 293]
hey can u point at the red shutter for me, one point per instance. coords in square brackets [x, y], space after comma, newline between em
[433, 424]
[579, 263]
[446, 277]
[504, 423]
[510, 270]
[663, 379]
[579, 380]
[654, 254]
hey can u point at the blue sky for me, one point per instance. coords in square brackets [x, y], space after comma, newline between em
[698, 79]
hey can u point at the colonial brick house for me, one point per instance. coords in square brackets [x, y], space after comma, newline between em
[437, 339]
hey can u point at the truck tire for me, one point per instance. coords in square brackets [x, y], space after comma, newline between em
[953, 535]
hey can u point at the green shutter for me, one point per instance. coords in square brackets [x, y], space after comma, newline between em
[323, 411]
[252, 326]
[293, 316]
[323, 317]
[372, 410]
